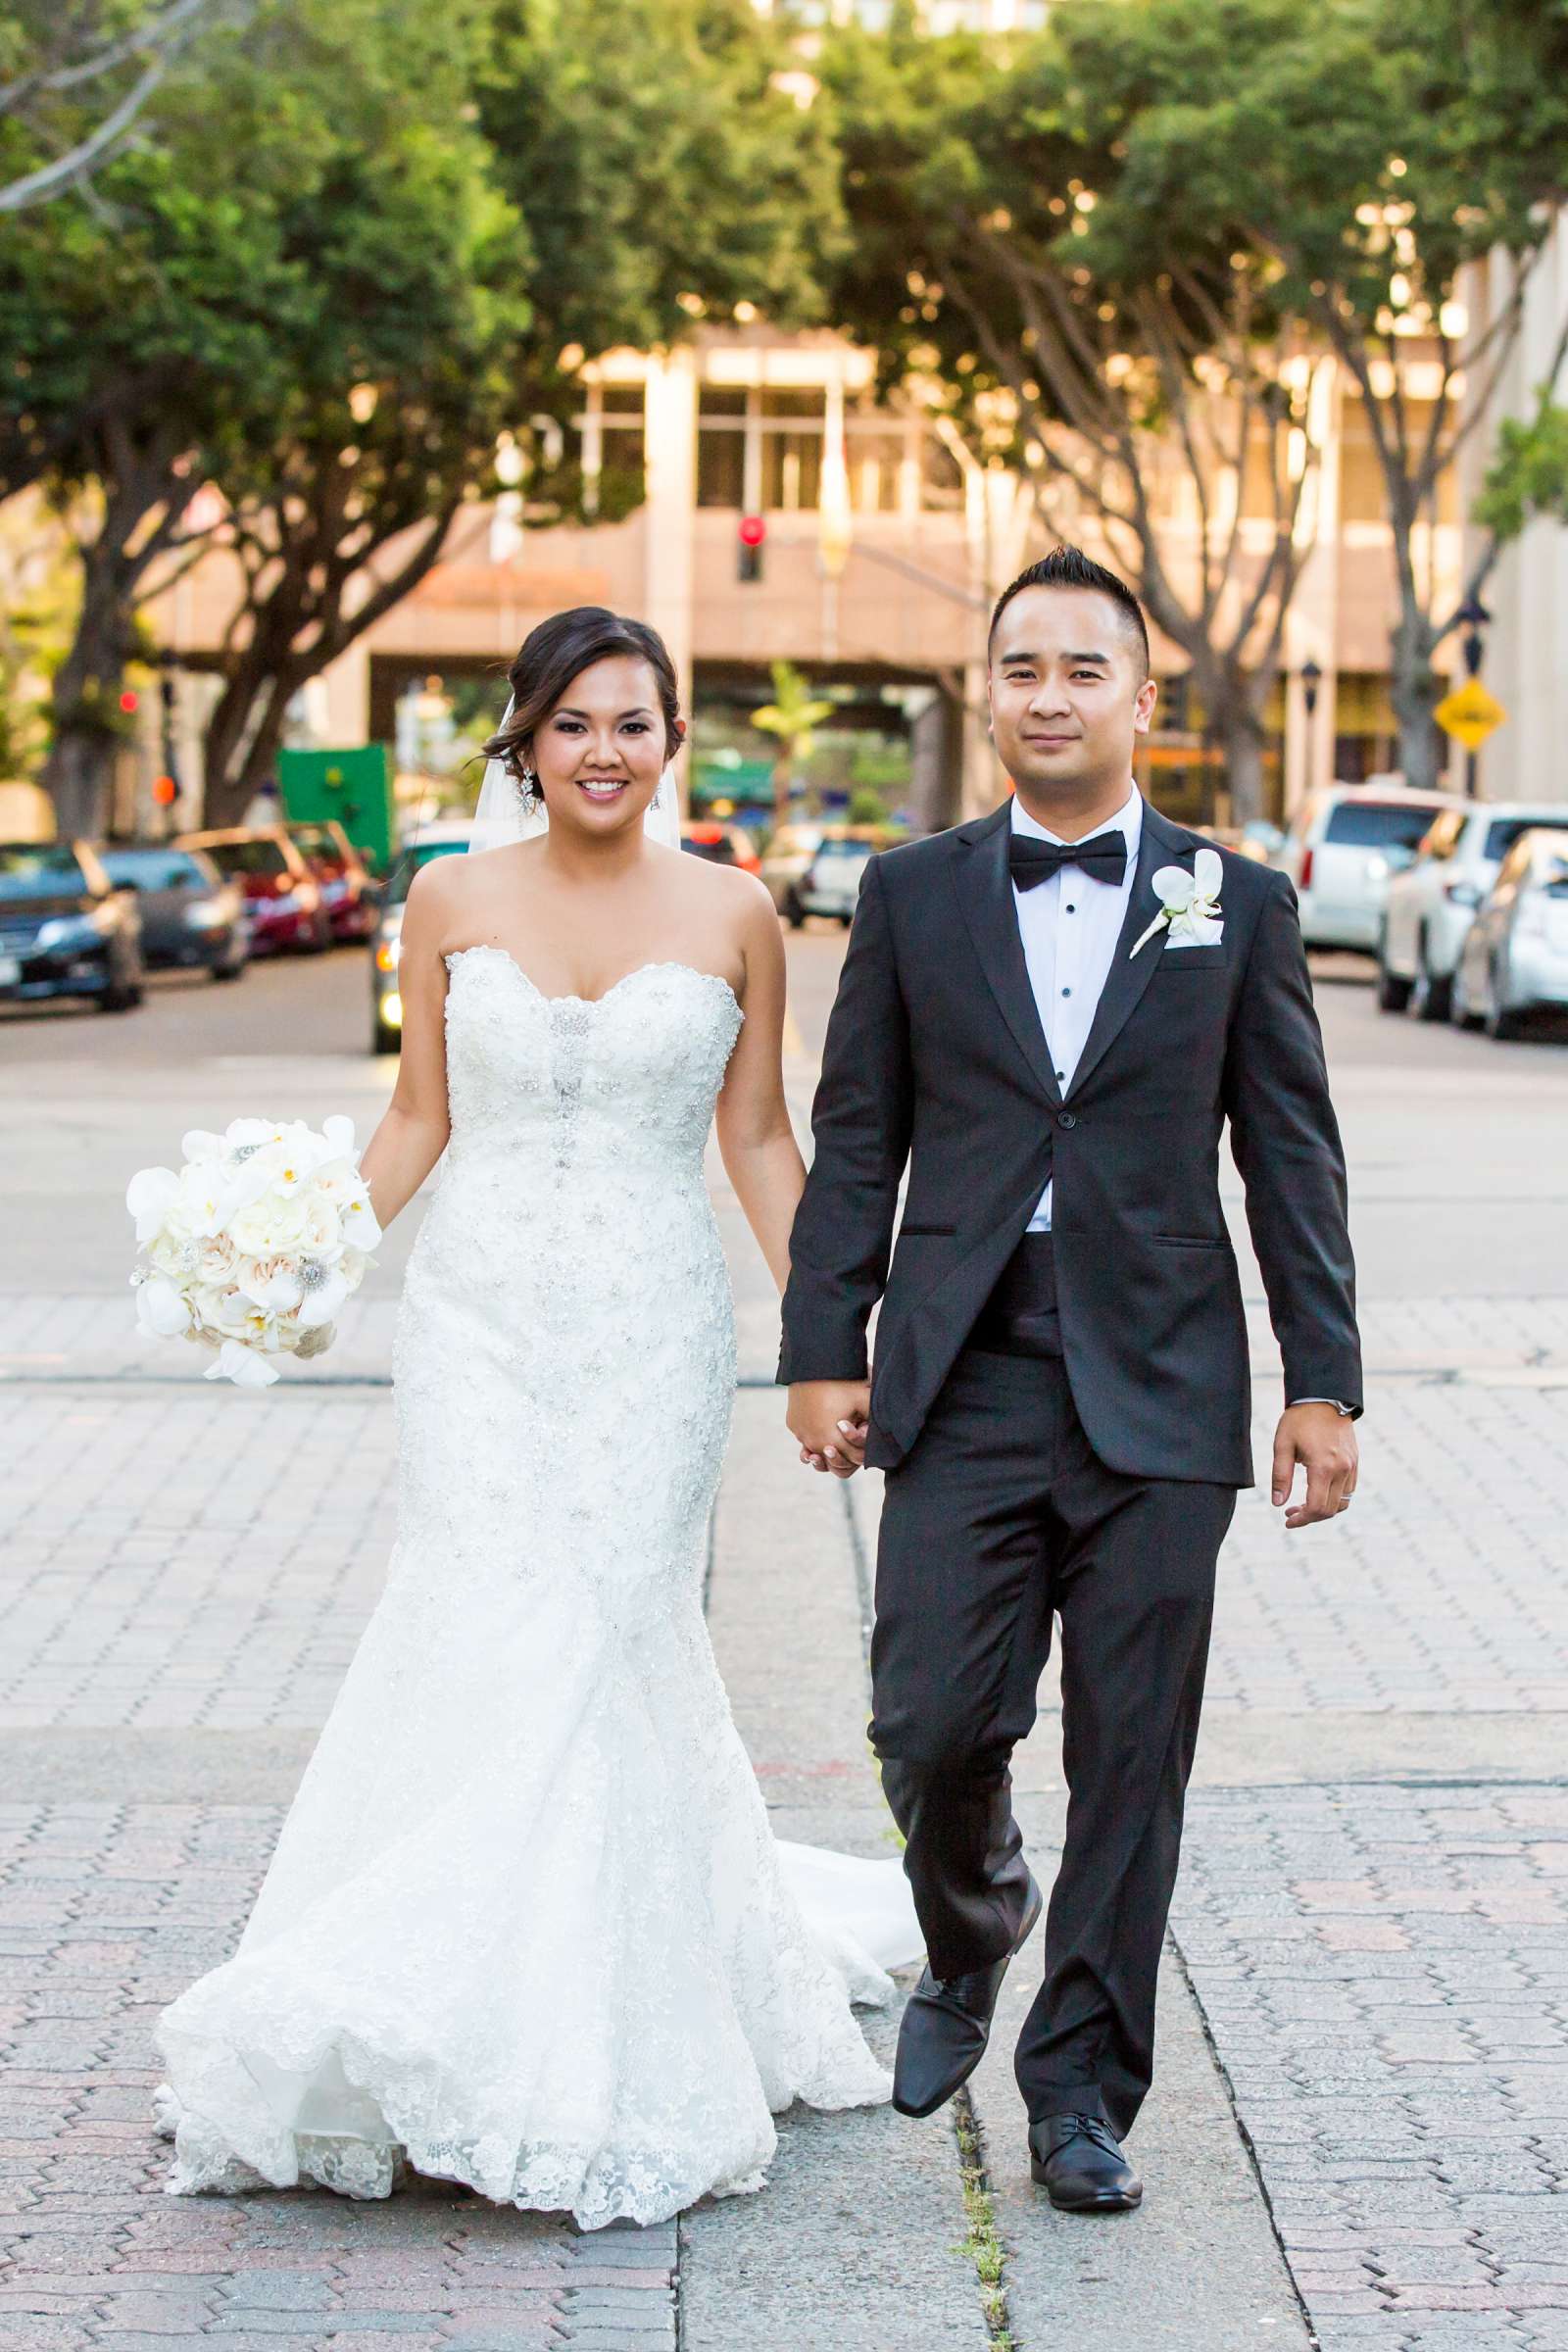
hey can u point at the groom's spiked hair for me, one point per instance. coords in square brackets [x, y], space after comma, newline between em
[1069, 567]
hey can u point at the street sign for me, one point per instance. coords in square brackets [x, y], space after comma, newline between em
[354, 784]
[1470, 714]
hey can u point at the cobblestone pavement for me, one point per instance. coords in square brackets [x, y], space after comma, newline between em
[109, 1911]
[1384, 1974]
[1372, 1907]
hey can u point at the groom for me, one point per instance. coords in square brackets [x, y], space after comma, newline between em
[1061, 1399]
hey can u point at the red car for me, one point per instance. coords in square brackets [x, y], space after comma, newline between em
[284, 905]
[347, 885]
[721, 844]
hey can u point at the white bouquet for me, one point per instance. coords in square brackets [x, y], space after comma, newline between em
[254, 1246]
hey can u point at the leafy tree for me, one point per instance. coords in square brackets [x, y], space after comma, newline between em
[75, 83]
[324, 298]
[792, 719]
[1528, 477]
[647, 170]
[1368, 152]
[1148, 383]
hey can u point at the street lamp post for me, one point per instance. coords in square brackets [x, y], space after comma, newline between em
[1472, 616]
[1312, 680]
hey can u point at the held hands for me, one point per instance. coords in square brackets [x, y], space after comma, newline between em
[829, 1418]
[1323, 1441]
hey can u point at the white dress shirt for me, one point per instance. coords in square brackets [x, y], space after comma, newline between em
[1070, 926]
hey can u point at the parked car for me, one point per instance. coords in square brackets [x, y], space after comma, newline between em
[1431, 904]
[721, 845]
[442, 839]
[1343, 847]
[785, 860]
[282, 897]
[350, 892]
[64, 929]
[1514, 960]
[831, 883]
[190, 915]
[817, 870]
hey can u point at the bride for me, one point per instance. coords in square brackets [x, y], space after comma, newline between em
[526, 1926]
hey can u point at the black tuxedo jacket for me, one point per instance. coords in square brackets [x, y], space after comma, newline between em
[936, 1058]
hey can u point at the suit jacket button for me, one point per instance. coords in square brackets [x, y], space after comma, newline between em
[1066, 1118]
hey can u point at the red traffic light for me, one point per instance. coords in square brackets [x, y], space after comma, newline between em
[130, 701]
[753, 530]
[164, 790]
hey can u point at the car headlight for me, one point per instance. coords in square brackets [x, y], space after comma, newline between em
[72, 931]
[205, 914]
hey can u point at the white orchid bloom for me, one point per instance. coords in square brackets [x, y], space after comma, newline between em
[148, 1198]
[321, 1300]
[338, 1131]
[360, 1228]
[162, 1312]
[200, 1142]
[1189, 904]
[241, 1365]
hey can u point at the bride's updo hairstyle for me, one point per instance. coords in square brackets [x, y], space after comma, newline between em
[560, 650]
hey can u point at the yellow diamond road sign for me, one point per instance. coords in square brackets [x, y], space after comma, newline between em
[1470, 713]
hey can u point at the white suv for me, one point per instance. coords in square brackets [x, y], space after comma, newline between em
[1432, 905]
[1341, 849]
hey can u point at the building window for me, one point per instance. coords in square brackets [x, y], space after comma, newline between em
[873, 454]
[721, 447]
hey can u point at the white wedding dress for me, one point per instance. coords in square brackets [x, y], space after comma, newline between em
[526, 1925]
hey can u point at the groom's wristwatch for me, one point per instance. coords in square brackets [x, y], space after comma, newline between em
[1347, 1412]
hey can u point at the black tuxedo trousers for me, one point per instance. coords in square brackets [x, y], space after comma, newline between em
[1000, 1519]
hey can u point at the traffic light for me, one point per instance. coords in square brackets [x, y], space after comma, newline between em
[165, 791]
[129, 701]
[753, 530]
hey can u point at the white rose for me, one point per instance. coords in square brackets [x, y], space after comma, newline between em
[272, 1227]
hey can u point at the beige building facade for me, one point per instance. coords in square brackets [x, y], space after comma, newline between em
[884, 546]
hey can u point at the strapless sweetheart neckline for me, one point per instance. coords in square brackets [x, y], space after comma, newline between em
[485, 947]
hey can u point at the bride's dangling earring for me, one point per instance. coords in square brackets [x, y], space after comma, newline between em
[528, 786]
[658, 800]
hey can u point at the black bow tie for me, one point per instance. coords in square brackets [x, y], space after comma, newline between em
[1032, 861]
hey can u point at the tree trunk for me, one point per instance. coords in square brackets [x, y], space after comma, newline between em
[1241, 732]
[80, 770]
[1416, 690]
[783, 778]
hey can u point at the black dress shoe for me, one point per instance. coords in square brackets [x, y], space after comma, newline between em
[947, 2025]
[1079, 2160]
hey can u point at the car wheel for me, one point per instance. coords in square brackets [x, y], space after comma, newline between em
[227, 971]
[1502, 1021]
[1394, 994]
[1429, 998]
[794, 912]
[121, 996]
[1459, 1007]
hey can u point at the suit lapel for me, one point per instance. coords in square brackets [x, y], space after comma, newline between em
[984, 883]
[1160, 844]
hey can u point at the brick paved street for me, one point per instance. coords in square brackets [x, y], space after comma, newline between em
[1359, 2137]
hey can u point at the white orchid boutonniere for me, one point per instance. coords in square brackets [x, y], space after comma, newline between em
[1188, 905]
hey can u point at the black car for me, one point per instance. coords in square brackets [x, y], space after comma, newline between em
[64, 929]
[190, 915]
